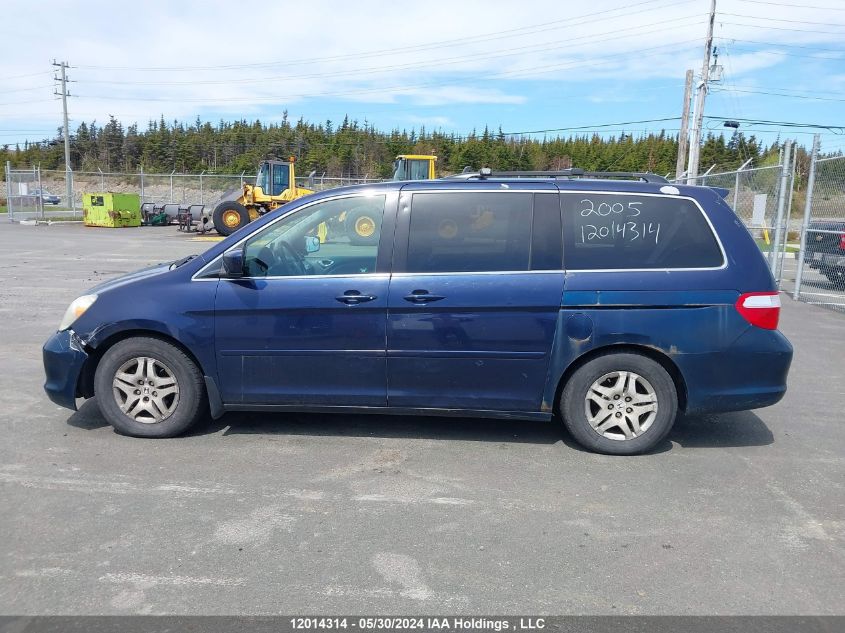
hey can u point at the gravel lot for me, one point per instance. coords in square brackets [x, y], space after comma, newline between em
[261, 514]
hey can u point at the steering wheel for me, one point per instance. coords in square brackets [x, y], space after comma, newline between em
[289, 258]
[279, 259]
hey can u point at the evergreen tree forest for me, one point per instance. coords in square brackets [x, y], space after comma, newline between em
[352, 148]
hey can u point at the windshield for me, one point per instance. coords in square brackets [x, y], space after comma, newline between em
[263, 176]
[410, 169]
[418, 170]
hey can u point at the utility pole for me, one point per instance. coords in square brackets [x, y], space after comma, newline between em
[63, 66]
[701, 93]
[683, 135]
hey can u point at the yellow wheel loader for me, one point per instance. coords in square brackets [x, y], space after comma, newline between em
[274, 186]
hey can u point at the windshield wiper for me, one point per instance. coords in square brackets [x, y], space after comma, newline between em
[184, 260]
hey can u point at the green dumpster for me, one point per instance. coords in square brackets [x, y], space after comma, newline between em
[113, 210]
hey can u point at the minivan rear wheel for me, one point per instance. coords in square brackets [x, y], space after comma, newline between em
[619, 404]
[146, 387]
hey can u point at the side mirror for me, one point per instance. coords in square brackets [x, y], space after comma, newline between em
[312, 243]
[233, 262]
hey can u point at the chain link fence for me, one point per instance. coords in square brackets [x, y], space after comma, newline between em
[25, 195]
[753, 194]
[820, 274]
[182, 189]
[762, 198]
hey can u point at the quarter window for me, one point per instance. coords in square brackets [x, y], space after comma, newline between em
[629, 231]
[469, 232]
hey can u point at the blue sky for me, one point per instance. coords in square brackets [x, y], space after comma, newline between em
[453, 66]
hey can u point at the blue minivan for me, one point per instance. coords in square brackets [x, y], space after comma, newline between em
[611, 304]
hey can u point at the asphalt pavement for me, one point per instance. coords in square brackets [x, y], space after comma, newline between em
[741, 513]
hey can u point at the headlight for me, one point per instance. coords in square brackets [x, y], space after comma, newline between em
[76, 309]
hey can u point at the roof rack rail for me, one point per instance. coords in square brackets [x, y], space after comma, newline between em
[486, 172]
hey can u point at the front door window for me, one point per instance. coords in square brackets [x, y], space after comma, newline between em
[332, 237]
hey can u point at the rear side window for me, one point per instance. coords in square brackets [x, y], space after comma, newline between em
[469, 232]
[629, 231]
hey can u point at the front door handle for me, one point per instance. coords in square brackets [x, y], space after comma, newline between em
[354, 297]
[422, 296]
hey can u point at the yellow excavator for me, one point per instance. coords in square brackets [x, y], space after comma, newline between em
[275, 185]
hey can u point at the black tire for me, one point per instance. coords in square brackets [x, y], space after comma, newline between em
[192, 403]
[224, 209]
[358, 218]
[573, 402]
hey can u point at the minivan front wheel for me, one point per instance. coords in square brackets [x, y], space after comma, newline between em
[619, 404]
[146, 387]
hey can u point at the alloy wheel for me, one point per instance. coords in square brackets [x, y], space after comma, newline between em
[621, 405]
[146, 390]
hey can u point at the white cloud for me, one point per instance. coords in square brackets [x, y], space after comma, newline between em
[430, 121]
[362, 53]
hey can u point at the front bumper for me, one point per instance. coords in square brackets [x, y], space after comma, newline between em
[63, 362]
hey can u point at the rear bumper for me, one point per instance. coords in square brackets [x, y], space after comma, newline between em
[750, 374]
[63, 361]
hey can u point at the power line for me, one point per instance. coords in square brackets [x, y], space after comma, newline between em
[43, 72]
[811, 48]
[591, 128]
[759, 17]
[786, 53]
[472, 39]
[799, 91]
[797, 6]
[27, 89]
[779, 28]
[26, 102]
[781, 94]
[780, 123]
[433, 62]
[753, 127]
[522, 72]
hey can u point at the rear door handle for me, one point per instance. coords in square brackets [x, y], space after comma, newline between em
[422, 296]
[354, 297]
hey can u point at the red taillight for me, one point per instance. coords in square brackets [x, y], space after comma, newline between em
[761, 309]
[842, 242]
